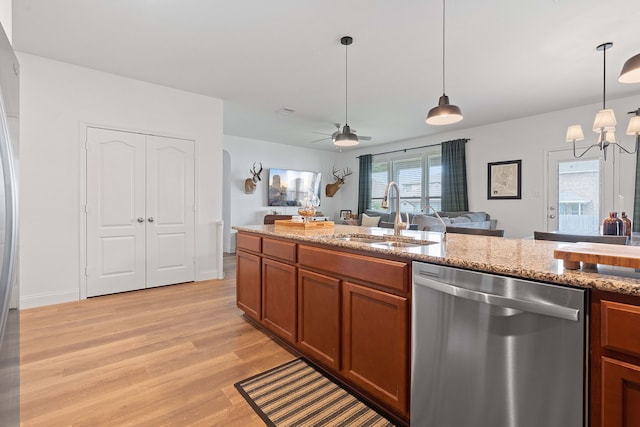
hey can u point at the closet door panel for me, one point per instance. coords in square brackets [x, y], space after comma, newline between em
[115, 203]
[170, 211]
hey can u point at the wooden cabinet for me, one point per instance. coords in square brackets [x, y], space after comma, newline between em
[620, 393]
[615, 360]
[319, 317]
[249, 284]
[376, 343]
[348, 312]
[279, 299]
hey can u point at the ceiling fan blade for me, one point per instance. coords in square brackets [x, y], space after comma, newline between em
[364, 138]
[321, 133]
[319, 140]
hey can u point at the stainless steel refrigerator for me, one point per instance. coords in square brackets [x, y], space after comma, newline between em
[9, 318]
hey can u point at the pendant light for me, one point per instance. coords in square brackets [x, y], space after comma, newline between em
[445, 113]
[346, 138]
[605, 121]
[630, 70]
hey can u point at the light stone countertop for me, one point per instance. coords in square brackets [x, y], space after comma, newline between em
[524, 258]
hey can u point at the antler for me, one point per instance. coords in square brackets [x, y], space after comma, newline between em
[345, 173]
[254, 173]
[334, 171]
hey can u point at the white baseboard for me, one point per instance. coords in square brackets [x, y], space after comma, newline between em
[31, 301]
[209, 275]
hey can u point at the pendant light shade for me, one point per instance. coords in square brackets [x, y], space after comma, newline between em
[630, 70]
[574, 133]
[346, 138]
[634, 126]
[445, 113]
[605, 120]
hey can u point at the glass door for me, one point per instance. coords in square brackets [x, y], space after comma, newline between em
[575, 192]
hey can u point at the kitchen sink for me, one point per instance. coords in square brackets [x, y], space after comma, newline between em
[356, 239]
[393, 244]
[384, 242]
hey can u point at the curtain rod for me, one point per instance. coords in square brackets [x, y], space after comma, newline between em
[416, 148]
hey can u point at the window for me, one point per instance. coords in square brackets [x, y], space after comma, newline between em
[418, 176]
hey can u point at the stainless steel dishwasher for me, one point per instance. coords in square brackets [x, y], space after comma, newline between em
[494, 351]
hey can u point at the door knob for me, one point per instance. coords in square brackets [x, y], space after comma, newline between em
[140, 219]
[552, 216]
[150, 219]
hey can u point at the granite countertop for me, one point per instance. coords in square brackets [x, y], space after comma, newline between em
[529, 259]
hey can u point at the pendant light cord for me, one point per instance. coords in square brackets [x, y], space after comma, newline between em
[346, 84]
[443, 50]
[604, 78]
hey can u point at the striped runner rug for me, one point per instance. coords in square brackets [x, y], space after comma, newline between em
[296, 394]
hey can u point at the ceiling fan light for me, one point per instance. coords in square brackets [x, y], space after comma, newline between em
[605, 119]
[444, 113]
[346, 138]
[630, 70]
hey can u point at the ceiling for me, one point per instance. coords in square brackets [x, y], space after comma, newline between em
[504, 59]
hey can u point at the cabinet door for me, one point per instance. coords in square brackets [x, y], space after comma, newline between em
[279, 299]
[620, 393]
[376, 343]
[319, 317]
[248, 290]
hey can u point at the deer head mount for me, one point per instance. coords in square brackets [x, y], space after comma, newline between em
[332, 189]
[250, 183]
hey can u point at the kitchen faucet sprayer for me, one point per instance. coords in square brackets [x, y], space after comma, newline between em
[444, 225]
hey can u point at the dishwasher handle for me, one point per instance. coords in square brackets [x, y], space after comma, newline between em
[492, 299]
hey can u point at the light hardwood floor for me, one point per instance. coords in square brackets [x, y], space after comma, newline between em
[158, 357]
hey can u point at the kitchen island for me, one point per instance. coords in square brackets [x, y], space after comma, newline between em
[346, 304]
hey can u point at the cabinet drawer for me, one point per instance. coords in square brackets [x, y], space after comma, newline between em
[285, 251]
[248, 242]
[620, 327]
[391, 274]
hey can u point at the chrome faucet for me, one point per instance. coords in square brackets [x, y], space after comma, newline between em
[398, 225]
[444, 225]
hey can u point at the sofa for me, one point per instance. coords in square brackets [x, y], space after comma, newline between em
[427, 222]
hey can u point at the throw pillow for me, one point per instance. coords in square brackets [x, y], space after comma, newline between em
[370, 221]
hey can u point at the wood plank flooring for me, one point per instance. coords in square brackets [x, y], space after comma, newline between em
[158, 357]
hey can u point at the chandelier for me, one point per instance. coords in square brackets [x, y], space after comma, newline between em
[605, 122]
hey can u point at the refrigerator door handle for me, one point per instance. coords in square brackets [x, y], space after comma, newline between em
[545, 309]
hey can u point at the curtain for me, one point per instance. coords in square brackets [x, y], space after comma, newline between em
[636, 199]
[454, 176]
[364, 184]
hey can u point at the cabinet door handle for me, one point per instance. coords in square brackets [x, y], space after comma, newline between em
[151, 219]
[140, 219]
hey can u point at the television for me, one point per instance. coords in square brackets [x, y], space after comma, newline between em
[290, 187]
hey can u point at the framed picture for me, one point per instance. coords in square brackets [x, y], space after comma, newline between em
[345, 214]
[505, 180]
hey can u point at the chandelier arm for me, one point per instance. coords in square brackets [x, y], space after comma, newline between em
[635, 150]
[585, 151]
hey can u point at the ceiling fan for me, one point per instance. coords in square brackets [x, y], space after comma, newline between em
[332, 136]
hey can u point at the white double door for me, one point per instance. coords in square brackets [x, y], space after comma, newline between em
[140, 211]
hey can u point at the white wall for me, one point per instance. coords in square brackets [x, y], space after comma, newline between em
[528, 139]
[57, 101]
[251, 208]
[6, 18]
